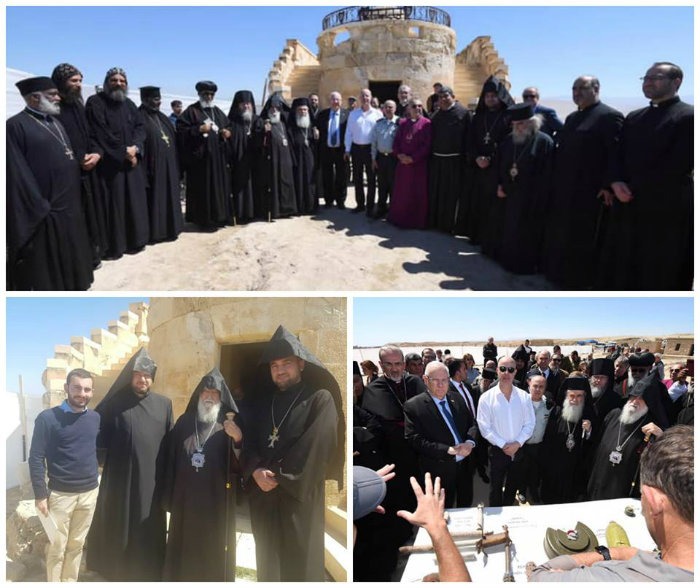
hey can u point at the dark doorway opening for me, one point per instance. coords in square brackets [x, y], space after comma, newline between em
[238, 365]
[384, 90]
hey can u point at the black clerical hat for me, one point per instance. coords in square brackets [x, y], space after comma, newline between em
[206, 86]
[574, 383]
[487, 374]
[149, 92]
[297, 102]
[31, 85]
[641, 360]
[523, 111]
[602, 367]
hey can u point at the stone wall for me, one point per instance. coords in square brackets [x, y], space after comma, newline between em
[414, 52]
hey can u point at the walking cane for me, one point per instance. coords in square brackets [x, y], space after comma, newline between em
[229, 417]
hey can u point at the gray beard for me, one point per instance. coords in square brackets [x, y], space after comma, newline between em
[520, 139]
[304, 122]
[47, 107]
[629, 415]
[117, 95]
[275, 118]
[206, 103]
[596, 391]
[572, 414]
[247, 115]
[207, 414]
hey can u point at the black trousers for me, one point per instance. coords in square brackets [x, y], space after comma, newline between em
[334, 173]
[528, 467]
[362, 162]
[502, 471]
[386, 170]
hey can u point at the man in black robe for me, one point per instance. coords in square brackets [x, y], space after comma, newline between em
[201, 467]
[295, 442]
[585, 162]
[524, 177]
[47, 244]
[244, 124]
[275, 161]
[566, 443]
[446, 175]
[385, 398]
[602, 383]
[303, 136]
[655, 182]
[69, 80]
[204, 137]
[126, 541]
[490, 126]
[162, 169]
[120, 134]
[626, 432]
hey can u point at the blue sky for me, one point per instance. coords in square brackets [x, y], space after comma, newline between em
[174, 46]
[35, 325]
[380, 320]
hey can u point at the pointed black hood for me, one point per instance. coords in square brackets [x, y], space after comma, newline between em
[493, 84]
[213, 380]
[139, 362]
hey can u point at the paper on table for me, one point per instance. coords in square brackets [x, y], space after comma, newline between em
[49, 525]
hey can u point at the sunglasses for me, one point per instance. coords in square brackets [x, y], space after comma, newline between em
[503, 369]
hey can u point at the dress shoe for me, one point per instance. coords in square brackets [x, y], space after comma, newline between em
[341, 206]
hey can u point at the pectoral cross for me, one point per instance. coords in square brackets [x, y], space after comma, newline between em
[514, 171]
[487, 138]
[165, 138]
[69, 153]
[274, 437]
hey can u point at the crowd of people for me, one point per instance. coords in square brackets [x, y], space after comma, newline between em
[577, 201]
[278, 445]
[533, 431]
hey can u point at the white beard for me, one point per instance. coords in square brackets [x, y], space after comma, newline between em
[275, 118]
[596, 391]
[206, 103]
[304, 122]
[247, 115]
[48, 107]
[208, 412]
[520, 138]
[631, 415]
[570, 413]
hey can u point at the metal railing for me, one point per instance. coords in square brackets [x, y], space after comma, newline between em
[368, 13]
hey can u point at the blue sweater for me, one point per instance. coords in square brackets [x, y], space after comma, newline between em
[66, 441]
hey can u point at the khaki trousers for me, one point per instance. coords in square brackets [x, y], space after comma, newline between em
[72, 512]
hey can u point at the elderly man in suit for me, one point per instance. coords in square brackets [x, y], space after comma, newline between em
[437, 425]
[332, 123]
[550, 121]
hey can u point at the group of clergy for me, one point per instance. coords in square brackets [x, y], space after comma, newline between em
[547, 436]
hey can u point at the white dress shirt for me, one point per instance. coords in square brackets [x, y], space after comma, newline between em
[501, 421]
[360, 125]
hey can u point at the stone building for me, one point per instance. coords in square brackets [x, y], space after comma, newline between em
[188, 336]
[381, 48]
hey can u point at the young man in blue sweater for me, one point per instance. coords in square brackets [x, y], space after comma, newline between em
[64, 441]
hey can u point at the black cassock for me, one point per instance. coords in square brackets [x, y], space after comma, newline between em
[657, 156]
[564, 474]
[288, 521]
[585, 162]
[206, 162]
[118, 125]
[303, 147]
[162, 177]
[446, 172]
[275, 172]
[243, 163]
[615, 481]
[47, 244]
[525, 174]
[127, 537]
[82, 139]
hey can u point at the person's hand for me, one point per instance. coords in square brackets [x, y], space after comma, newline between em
[90, 161]
[225, 133]
[316, 134]
[233, 431]
[387, 472]
[683, 374]
[652, 429]
[205, 128]
[430, 512]
[483, 162]
[42, 505]
[622, 192]
[586, 425]
[131, 151]
[501, 192]
[510, 449]
[464, 449]
[265, 479]
[346, 156]
[407, 160]
[607, 197]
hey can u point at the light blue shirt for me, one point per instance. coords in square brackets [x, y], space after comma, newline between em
[383, 135]
[437, 402]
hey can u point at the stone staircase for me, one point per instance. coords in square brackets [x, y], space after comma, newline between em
[295, 72]
[103, 354]
[303, 81]
[473, 66]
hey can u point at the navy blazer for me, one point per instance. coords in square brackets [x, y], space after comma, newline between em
[322, 122]
[550, 121]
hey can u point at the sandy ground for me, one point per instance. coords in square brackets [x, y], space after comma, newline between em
[335, 250]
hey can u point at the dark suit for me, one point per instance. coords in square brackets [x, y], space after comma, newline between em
[333, 164]
[550, 121]
[553, 382]
[428, 433]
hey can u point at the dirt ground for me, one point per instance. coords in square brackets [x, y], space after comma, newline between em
[335, 250]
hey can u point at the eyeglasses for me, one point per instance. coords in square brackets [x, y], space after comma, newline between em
[556, 360]
[526, 96]
[654, 78]
[503, 369]
[672, 371]
[441, 382]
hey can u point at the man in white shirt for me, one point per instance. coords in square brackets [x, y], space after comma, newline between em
[358, 144]
[506, 419]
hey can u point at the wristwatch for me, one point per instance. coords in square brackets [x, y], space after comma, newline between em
[604, 551]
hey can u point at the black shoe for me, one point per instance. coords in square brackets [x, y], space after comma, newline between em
[341, 206]
[358, 209]
[328, 205]
[380, 212]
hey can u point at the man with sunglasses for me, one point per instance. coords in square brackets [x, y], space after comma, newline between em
[506, 419]
[550, 121]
